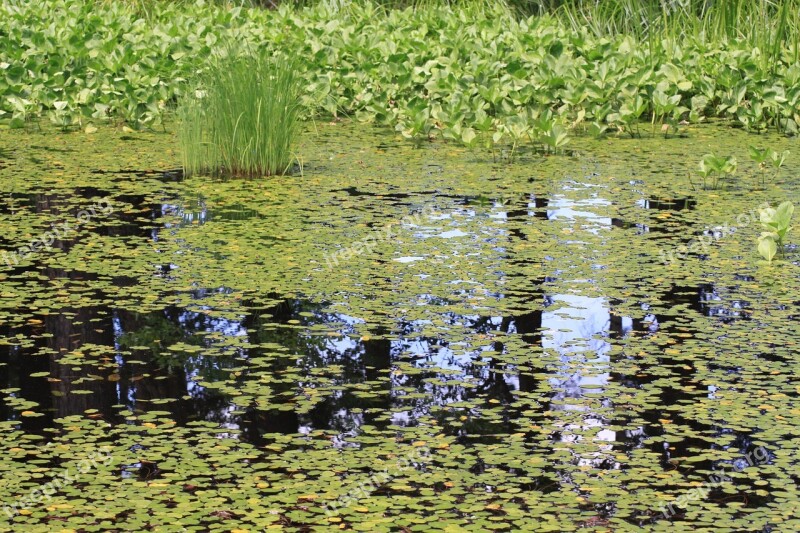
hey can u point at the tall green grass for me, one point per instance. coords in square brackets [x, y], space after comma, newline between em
[243, 119]
[773, 26]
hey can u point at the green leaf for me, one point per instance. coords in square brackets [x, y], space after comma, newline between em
[468, 136]
[767, 246]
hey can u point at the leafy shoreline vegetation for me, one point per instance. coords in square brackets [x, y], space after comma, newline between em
[481, 75]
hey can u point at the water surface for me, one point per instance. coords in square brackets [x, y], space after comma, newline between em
[423, 338]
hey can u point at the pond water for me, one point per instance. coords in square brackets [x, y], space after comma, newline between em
[404, 338]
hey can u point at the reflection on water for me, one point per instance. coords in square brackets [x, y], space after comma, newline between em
[577, 334]
[407, 370]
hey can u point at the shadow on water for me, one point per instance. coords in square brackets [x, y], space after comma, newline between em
[173, 175]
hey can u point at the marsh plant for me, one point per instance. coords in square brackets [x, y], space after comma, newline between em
[776, 222]
[778, 158]
[603, 68]
[243, 117]
[767, 157]
[716, 170]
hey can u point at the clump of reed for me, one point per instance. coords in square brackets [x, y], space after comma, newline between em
[772, 26]
[242, 118]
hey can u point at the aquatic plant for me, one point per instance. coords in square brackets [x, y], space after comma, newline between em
[666, 110]
[243, 385]
[760, 156]
[764, 156]
[778, 158]
[716, 170]
[379, 65]
[555, 137]
[766, 25]
[776, 221]
[243, 117]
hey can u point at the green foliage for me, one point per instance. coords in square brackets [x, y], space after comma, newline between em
[758, 155]
[765, 156]
[767, 246]
[243, 117]
[434, 71]
[778, 158]
[770, 27]
[555, 137]
[776, 222]
[716, 170]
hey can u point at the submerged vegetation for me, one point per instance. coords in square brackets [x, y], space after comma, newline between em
[243, 117]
